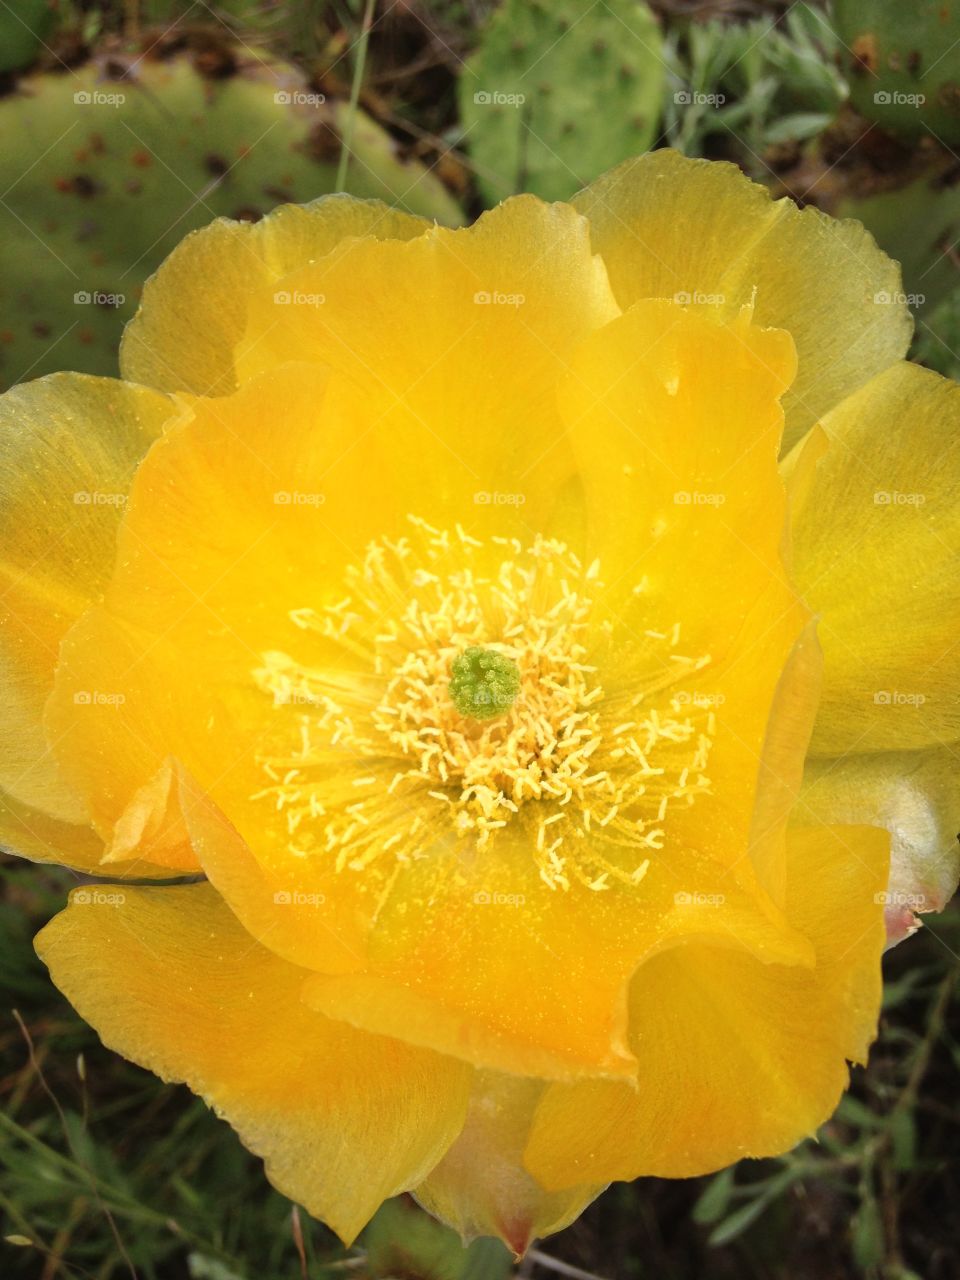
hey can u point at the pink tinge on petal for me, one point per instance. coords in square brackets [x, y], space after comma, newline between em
[901, 923]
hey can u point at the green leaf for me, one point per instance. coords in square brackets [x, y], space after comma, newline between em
[867, 1231]
[903, 1136]
[713, 1203]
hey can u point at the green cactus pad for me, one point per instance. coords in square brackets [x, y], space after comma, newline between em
[103, 178]
[559, 92]
[903, 63]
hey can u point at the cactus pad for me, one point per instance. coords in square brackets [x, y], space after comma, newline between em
[558, 92]
[903, 63]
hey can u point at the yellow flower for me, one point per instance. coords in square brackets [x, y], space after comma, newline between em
[439, 596]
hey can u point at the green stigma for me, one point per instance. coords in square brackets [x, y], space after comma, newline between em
[484, 684]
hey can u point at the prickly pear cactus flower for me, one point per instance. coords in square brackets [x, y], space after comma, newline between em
[520, 646]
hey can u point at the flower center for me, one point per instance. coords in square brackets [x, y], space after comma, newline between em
[484, 684]
[465, 687]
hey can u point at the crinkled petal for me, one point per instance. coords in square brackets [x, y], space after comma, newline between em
[735, 1058]
[877, 557]
[668, 226]
[69, 445]
[443, 323]
[445, 976]
[916, 796]
[194, 309]
[169, 979]
[688, 522]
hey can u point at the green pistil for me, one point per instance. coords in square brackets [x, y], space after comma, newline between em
[484, 684]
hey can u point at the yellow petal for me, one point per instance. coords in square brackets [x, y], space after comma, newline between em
[675, 423]
[667, 225]
[735, 1058]
[480, 1187]
[194, 310]
[113, 748]
[463, 325]
[37, 836]
[781, 762]
[877, 556]
[69, 445]
[445, 975]
[916, 796]
[169, 979]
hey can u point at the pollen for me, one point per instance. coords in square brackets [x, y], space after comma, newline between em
[463, 692]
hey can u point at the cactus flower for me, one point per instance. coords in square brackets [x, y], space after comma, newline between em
[527, 649]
